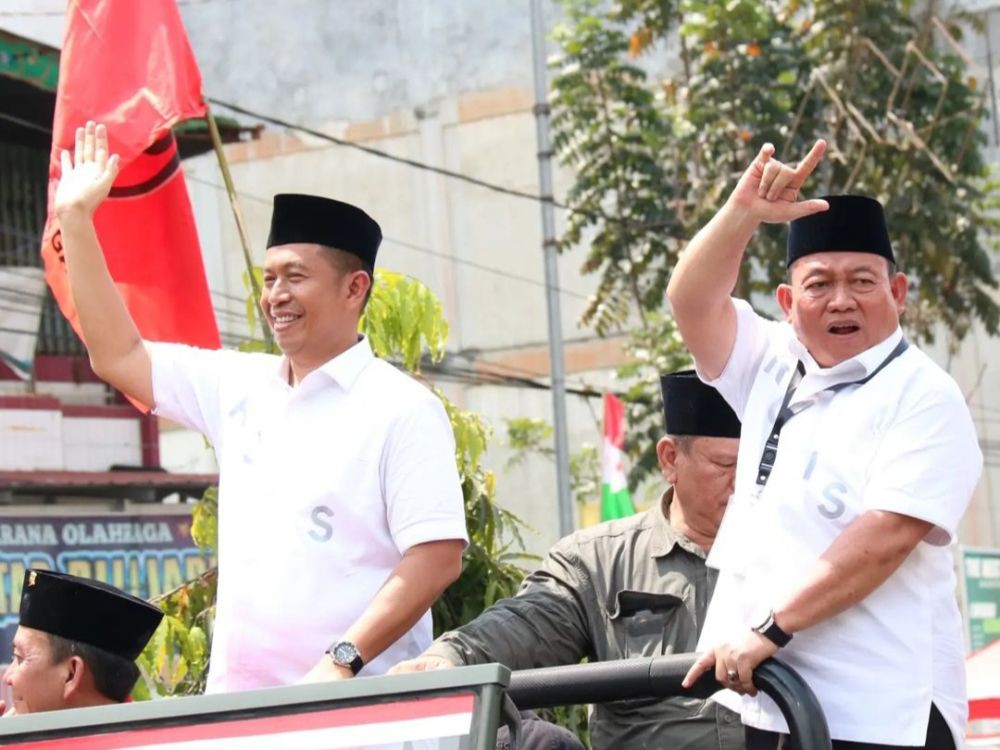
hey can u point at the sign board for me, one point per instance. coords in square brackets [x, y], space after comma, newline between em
[981, 595]
[143, 553]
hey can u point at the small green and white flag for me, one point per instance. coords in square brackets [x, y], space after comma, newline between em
[615, 500]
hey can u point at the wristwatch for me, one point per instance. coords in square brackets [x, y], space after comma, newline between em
[345, 654]
[770, 630]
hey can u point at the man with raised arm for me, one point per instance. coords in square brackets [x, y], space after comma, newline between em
[340, 510]
[857, 460]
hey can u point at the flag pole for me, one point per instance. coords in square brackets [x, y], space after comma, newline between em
[241, 227]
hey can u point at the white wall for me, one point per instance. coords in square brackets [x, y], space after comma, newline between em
[47, 440]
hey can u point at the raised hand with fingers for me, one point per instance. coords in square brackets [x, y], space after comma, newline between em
[87, 174]
[769, 189]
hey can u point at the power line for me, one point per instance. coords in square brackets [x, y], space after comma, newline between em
[452, 372]
[479, 182]
[495, 187]
[386, 155]
[413, 246]
[25, 123]
[408, 162]
[228, 297]
[43, 295]
[479, 376]
[350, 144]
[18, 331]
[485, 268]
[25, 310]
[22, 292]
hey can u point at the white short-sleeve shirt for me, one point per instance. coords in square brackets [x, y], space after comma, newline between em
[903, 442]
[322, 488]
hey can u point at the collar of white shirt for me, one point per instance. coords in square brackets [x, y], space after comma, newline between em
[857, 367]
[664, 543]
[343, 369]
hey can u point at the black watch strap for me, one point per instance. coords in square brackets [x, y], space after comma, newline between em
[770, 630]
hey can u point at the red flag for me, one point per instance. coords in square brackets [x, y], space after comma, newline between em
[129, 65]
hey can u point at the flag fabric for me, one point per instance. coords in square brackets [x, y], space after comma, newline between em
[615, 500]
[129, 65]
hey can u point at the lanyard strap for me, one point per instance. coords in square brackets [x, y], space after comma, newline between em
[770, 453]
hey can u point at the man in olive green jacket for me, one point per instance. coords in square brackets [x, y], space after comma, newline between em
[635, 587]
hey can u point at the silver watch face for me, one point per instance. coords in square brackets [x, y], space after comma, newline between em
[344, 653]
[764, 619]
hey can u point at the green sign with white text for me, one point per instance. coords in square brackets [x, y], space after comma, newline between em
[981, 586]
[21, 59]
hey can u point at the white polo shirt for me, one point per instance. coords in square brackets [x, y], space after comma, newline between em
[903, 442]
[322, 488]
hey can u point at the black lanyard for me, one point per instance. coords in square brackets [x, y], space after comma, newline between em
[770, 453]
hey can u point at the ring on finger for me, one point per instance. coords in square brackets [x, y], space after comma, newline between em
[733, 675]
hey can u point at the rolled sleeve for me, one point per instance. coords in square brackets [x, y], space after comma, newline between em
[544, 625]
[422, 488]
[753, 338]
[927, 464]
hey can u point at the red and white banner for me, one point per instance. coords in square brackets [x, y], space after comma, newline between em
[354, 727]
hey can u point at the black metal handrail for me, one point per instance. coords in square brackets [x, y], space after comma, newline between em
[661, 677]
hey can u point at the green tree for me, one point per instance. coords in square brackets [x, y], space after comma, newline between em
[652, 351]
[404, 323]
[609, 129]
[654, 159]
[528, 436]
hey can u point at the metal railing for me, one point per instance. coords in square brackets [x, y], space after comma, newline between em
[661, 677]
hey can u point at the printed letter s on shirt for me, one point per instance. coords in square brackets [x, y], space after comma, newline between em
[833, 493]
[324, 529]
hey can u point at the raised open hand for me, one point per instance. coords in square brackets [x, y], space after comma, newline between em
[88, 174]
[769, 189]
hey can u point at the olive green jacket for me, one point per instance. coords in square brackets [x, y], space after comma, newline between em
[627, 588]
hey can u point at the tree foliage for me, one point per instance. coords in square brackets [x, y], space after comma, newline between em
[609, 130]
[652, 350]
